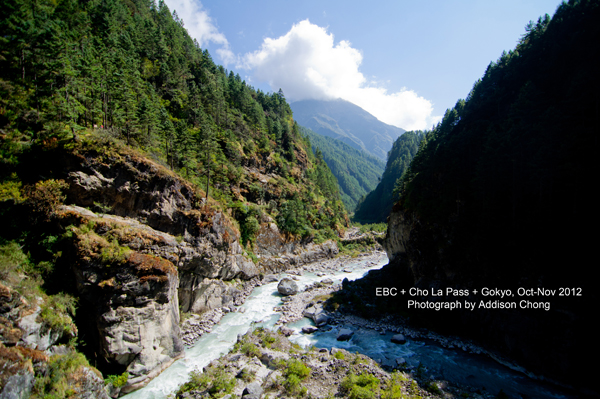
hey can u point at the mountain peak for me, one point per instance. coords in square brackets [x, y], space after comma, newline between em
[347, 122]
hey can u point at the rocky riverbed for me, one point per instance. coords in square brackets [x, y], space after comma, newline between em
[195, 326]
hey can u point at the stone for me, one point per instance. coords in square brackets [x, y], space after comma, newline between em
[345, 334]
[18, 386]
[286, 331]
[309, 329]
[269, 278]
[254, 389]
[287, 286]
[399, 339]
[321, 318]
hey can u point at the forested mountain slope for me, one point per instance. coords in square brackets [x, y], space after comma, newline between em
[130, 70]
[502, 195]
[356, 171]
[138, 180]
[347, 122]
[375, 207]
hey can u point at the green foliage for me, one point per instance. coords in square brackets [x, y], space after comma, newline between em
[248, 216]
[363, 386]
[500, 165]
[61, 376]
[10, 189]
[56, 313]
[249, 349]
[45, 196]
[214, 380]
[393, 386]
[376, 206]
[340, 355]
[114, 253]
[371, 227]
[295, 372]
[356, 171]
[117, 381]
[129, 72]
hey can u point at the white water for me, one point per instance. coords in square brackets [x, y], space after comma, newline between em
[258, 312]
[445, 364]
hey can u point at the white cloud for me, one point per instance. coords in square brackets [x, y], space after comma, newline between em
[307, 64]
[201, 27]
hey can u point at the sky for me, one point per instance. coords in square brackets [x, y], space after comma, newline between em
[405, 62]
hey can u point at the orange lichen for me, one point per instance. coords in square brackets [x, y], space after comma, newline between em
[146, 265]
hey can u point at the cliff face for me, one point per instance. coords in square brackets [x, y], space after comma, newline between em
[548, 342]
[142, 246]
[32, 344]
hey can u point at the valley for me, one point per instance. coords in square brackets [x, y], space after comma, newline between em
[169, 230]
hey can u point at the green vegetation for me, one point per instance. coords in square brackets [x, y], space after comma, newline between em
[514, 161]
[117, 381]
[363, 386]
[356, 171]
[371, 227]
[128, 72]
[393, 386]
[295, 372]
[376, 206]
[215, 381]
[60, 376]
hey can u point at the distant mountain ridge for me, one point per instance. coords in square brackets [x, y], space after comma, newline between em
[356, 171]
[347, 122]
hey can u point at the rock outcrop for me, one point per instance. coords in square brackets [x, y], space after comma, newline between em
[150, 248]
[132, 300]
[421, 255]
[29, 348]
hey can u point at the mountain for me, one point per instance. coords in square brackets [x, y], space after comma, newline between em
[356, 171]
[500, 202]
[375, 207]
[347, 122]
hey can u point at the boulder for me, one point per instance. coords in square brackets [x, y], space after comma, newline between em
[253, 389]
[309, 329]
[287, 286]
[399, 339]
[345, 334]
[321, 318]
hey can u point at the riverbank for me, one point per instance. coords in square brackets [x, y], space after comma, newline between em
[194, 326]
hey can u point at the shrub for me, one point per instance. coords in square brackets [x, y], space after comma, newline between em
[56, 313]
[295, 372]
[393, 387]
[363, 386]
[117, 381]
[215, 381]
[45, 197]
[60, 377]
[114, 253]
[250, 350]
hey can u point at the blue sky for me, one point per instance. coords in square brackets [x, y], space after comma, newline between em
[406, 62]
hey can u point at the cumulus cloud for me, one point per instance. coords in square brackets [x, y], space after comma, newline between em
[307, 64]
[200, 26]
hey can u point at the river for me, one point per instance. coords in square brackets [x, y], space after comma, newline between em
[452, 365]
